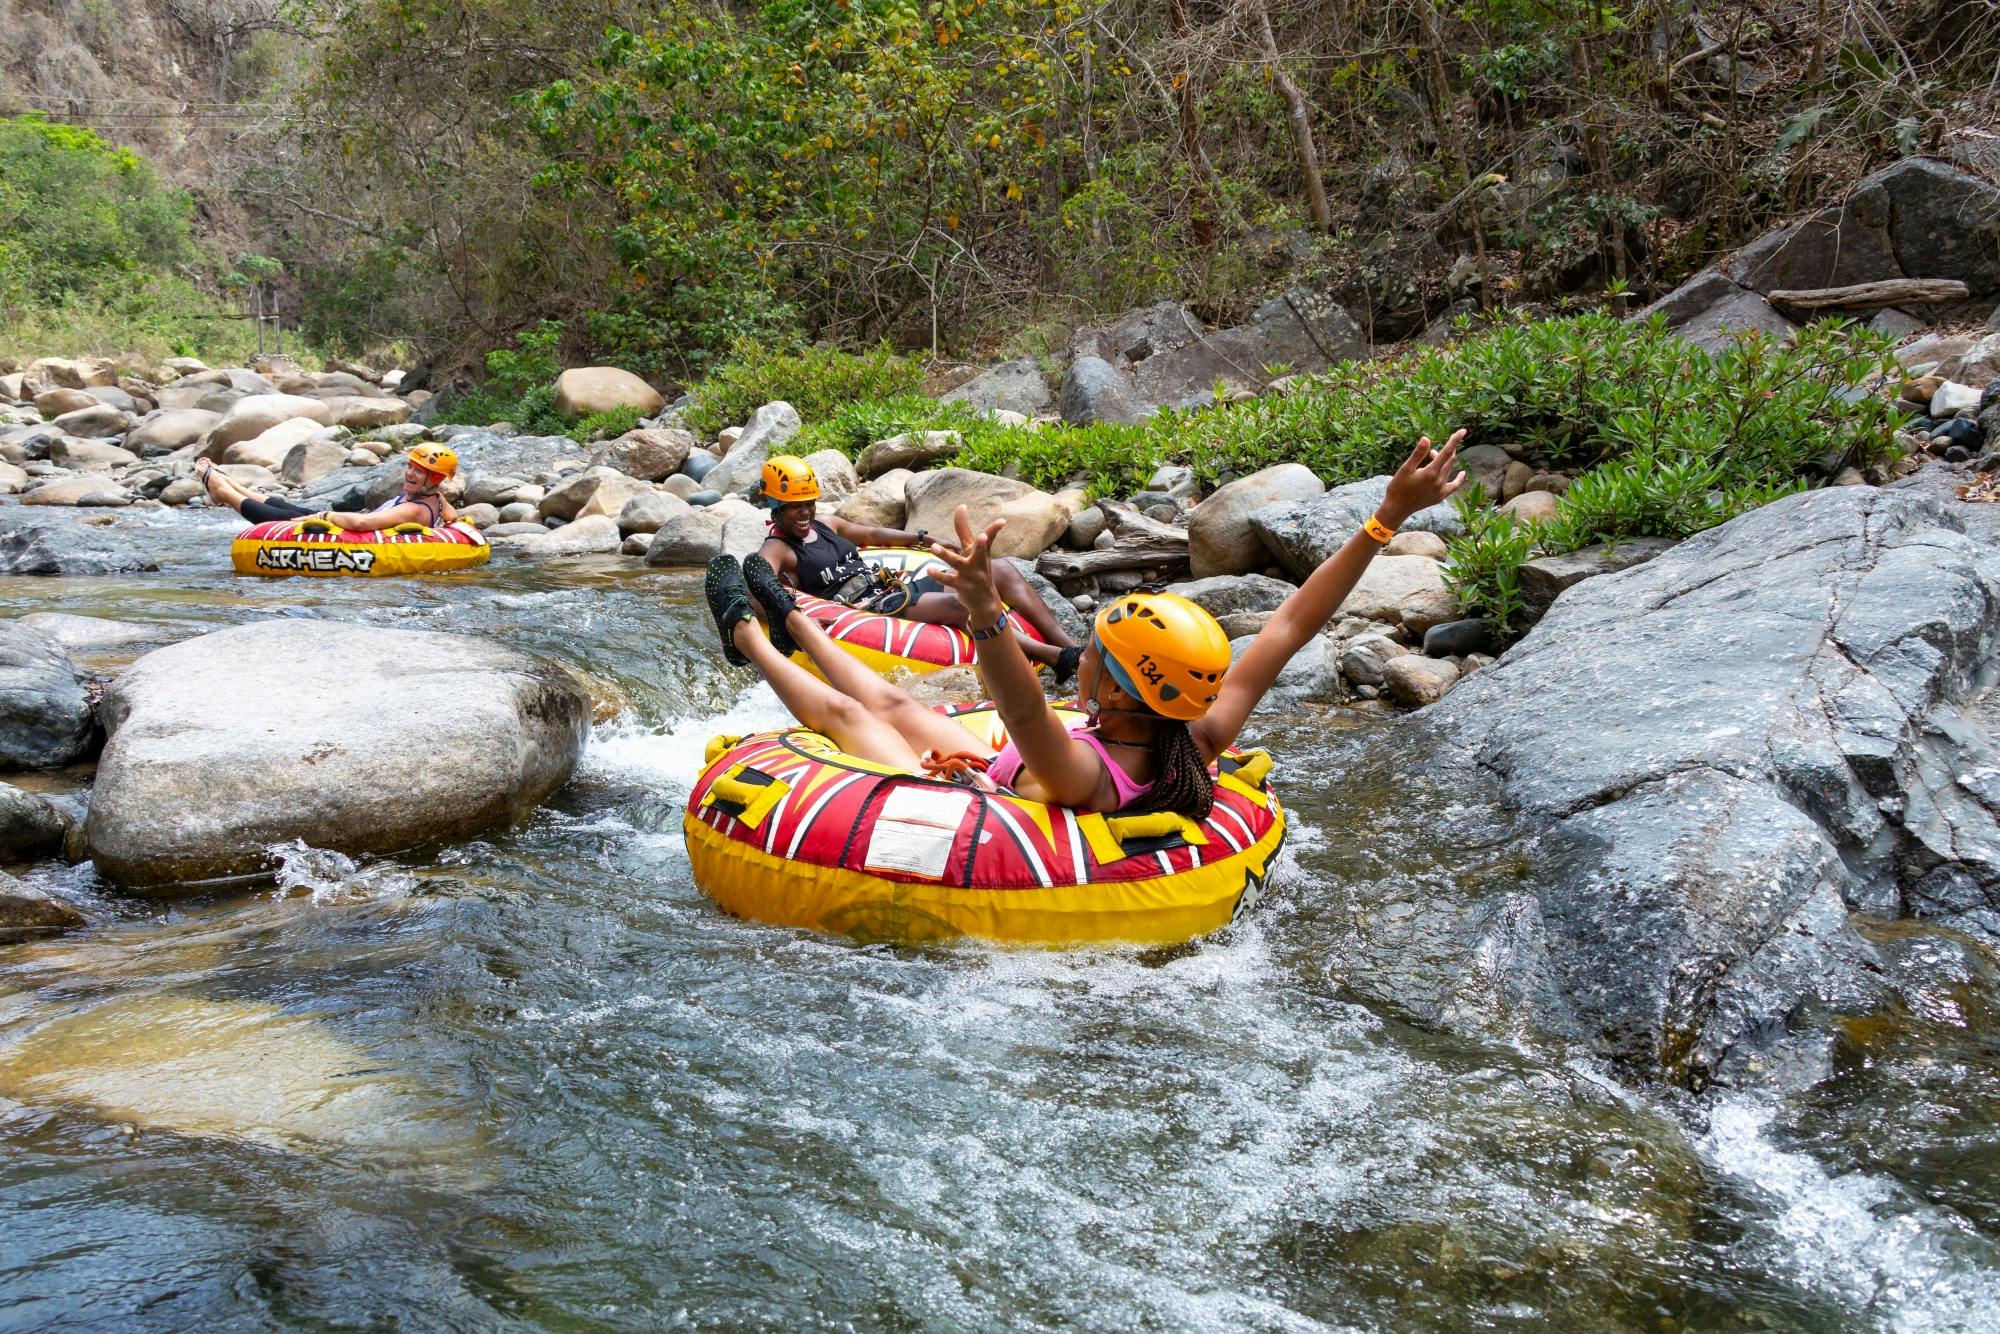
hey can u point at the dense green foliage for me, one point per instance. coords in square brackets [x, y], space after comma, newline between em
[95, 251]
[1663, 438]
[816, 380]
[666, 178]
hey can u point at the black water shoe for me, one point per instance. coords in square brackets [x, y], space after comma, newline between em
[776, 600]
[1066, 662]
[728, 603]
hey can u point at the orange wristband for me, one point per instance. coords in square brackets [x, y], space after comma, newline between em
[1378, 530]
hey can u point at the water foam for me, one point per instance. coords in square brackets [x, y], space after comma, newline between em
[1903, 1262]
[670, 758]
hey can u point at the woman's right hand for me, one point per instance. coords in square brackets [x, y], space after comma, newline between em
[968, 571]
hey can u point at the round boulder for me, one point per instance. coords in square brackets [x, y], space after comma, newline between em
[1220, 538]
[188, 792]
[589, 389]
[1034, 518]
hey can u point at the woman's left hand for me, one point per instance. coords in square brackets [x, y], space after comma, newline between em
[969, 569]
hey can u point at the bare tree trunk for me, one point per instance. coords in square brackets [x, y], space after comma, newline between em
[1301, 117]
[1201, 224]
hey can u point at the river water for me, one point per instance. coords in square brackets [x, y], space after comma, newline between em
[538, 1081]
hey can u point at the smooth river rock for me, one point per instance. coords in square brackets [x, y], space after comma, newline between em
[1666, 802]
[187, 791]
[45, 719]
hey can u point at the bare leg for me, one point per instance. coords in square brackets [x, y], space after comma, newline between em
[921, 728]
[222, 489]
[1019, 594]
[946, 609]
[819, 706]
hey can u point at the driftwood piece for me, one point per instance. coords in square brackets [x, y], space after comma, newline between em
[1168, 560]
[1129, 525]
[1873, 296]
[1143, 544]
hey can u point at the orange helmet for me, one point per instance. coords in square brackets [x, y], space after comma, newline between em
[789, 481]
[434, 459]
[1163, 649]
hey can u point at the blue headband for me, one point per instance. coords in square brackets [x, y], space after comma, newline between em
[1111, 664]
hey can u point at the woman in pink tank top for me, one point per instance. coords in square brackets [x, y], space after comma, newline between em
[1156, 680]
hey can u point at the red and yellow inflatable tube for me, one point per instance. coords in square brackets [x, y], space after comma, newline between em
[316, 548]
[783, 827]
[888, 643]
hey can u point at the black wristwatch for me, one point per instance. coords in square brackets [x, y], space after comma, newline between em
[923, 537]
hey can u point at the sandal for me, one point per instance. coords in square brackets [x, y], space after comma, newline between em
[776, 600]
[728, 603]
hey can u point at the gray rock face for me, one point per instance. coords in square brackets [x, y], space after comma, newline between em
[1300, 331]
[766, 433]
[1013, 386]
[1093, 390]
[30, 544]
[1726, 322]
[1709, 760]
[481, 453]
[45, 718]
[1691, 298]
[187, 792]
[1224, 594]
[1303, 533]
[1073, 622]
[1919, 218]
[1544, 578]
[648, 455]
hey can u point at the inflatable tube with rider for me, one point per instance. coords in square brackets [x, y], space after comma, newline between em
[784, 828]
[886, 643]
[317, 548]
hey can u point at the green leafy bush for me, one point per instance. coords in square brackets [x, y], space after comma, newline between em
[520, 386]
[817, 381]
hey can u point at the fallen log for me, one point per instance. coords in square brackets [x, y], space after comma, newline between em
[1168, 559]
[1873, 296]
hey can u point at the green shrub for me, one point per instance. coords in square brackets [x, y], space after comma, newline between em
[817, 381]
[606, 425]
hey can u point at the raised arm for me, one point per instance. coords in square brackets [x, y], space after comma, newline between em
[1068, 771]
[1426, 478]
[861, 535]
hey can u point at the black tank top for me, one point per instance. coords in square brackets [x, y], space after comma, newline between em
[826, 564]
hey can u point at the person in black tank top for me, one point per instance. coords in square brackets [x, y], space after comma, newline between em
[822, 556]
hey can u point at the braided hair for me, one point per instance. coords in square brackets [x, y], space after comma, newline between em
[1180, 776]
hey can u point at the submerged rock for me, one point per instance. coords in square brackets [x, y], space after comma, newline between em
[188, 791]
[1700, 766]
[28, 911]
[34, 544]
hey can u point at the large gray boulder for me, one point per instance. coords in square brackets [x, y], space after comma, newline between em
[769, 429]
[1034, 518]
[648, 454]
[1094, 390]
[1301, 534]
[170, 429]
[1225, 595]
[695, 535]
[188, 792]
[1699, 767]
[45, 719]
[1012, 386]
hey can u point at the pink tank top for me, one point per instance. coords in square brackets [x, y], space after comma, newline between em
[1006, 768]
